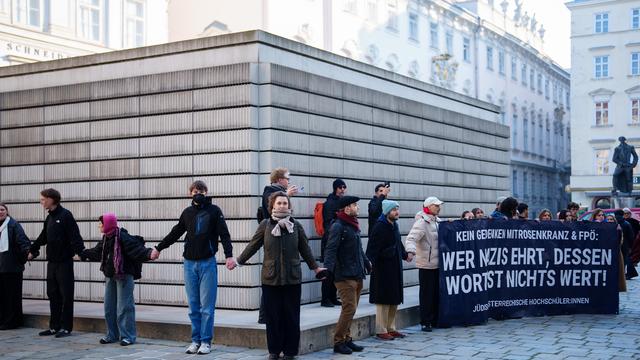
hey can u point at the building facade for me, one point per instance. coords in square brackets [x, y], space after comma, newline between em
[127, 132]
[484, 50]
[40, 30]
[605, 92]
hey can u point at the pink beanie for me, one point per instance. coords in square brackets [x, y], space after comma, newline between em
[109, 223]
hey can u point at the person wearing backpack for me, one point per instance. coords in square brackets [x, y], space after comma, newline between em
[121, 256]
[329, 214]
[206, 228]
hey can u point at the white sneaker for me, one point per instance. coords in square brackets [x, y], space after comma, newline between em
[204, 349]
[193, 348]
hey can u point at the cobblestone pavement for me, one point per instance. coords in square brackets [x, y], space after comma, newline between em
[575, 337]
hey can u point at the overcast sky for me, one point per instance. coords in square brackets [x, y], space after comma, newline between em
[557, 20]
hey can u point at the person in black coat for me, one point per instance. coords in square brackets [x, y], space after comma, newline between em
[121, 256]
[375, 205]
[329, 214]
[62, 237]
[386, 252]
[14, 248]
[627, 244]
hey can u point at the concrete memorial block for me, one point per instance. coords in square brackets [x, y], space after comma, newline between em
[67, 132]
[132, 145]
[67, 93]
[21, 117]
[67, 172]
[56, 114]
[167, 124]
[26, 136]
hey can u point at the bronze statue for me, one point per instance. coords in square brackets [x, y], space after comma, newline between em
[623, 175]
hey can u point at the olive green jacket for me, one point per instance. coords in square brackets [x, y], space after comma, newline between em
[281, 263]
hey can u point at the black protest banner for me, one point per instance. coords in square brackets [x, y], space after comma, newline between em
[513, 268]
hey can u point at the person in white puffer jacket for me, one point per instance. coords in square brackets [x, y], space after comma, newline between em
[422, 242]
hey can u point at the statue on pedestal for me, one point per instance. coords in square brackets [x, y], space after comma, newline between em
[625, 158]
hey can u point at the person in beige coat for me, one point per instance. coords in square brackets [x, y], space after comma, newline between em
[422, 242]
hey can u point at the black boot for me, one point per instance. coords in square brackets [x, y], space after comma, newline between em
[353, 346]
[342, 348]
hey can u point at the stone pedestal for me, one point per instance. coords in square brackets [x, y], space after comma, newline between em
[620, 202]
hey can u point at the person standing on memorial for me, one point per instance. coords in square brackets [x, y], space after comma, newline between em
[348, 265]
[329, 214]
[14, 249]
[508, 209]
[573, 208]
[386, 252]
[422, 242]
[375, 205]
[61, 235]
[204, 224]
[121, 256]
[279, 182]
[284, 242]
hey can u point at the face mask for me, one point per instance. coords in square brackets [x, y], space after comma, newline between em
[199, 199]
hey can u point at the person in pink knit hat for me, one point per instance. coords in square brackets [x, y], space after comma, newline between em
[121, 256]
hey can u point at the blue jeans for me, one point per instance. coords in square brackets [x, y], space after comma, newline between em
[201, 283]
[119, 309]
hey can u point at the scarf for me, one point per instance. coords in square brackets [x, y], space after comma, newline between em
[427, 211]
[351, 220]
[284, 221]
[4, 235]
[110, 228]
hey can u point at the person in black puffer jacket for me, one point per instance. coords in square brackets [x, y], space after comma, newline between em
[121, 256]
[14, 247]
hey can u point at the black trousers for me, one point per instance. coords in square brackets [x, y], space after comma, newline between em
[282, 314]
[60, 286]
[329, 291]
[10, 300]
[429, 296]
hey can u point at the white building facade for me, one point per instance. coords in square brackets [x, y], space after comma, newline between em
[489, 51]
[605, 91]
[40, 30]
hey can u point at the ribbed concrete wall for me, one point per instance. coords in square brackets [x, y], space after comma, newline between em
[133, 145]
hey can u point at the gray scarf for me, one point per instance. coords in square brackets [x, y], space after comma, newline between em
[284, 221]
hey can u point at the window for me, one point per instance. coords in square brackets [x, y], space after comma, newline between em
[533, 134]
[532, 79]
[566, 94]
[514, 183]
[539, 83]
[28, 12]
[548, 139]
[602, 23]
[602, 162]
[449, 42]
[525, 184]
[525, 133]
[540, 128]
[135, 23]
[546, 89]
[466, 49]
[489, 58]
[514, 129]
[90, 19]
[635, 63]
[601, 66]
[635, 111]
[523, 74]
[635, 18]
[555, 92]
[514, 68]
[413, 26]
[501, 66]
[602, 113]
[392, 21]
[433, 35]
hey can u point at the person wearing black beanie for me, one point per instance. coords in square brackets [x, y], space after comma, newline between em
[329, 213]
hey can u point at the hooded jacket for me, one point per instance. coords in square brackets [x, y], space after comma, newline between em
[134, 253]
[423, 240]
